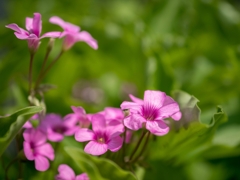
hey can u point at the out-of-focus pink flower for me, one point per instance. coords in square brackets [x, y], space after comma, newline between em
[66, 173]
[79, 117]
[101, 138]
[28, 124]
[56, 128]
[73, 34]
[114, 117]
[32, 35]
[151, 111]
[35, 148]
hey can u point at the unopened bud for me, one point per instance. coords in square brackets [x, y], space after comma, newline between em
[50, 44]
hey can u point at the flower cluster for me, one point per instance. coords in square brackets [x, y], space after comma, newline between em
[111, 129]
[33, 36]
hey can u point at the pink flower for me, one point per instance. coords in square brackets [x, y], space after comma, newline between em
[151, 112]
[73, 34]
[79, 117]
[56, 128]
[35, 148]
[114, 117]
[101, 138]
[66, 173]
[32, 35]
[28, 124]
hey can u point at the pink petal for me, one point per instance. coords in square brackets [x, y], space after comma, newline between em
[168, 110]
[158, 128]
[131, 105]
[63, 24]
[82, 176]
[134, 121]
[95, 148]
[71, 131]
[69, 41]
[83, 135]
[14, 27]
[50, 120]
[98, 122]
[28, 151]
[115, 128]
[65, 172]
[41, 163]
[86, 37]
[115, 144]
[53, 34]
[37, 24]
[45, 150]
[154, 98]
[177, 116]
[21, 36]
[78, 110]
[29, 23]
[38, 137]
[34, 135]
[27, 125]
[54, 136]
[113, 113]
[136, 100]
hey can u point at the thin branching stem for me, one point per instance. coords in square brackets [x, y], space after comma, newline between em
[138, 144]
[30, 73]
[143, 148]
[42, 75]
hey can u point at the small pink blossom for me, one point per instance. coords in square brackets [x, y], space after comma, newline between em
[151, 112]
[56, 128]
[114, 117]
[101, 138]
[28, 124]
[79, 117]
[66, 173]
[32, 35]
[35, 148]
[73, 34]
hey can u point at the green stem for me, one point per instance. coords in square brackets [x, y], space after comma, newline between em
[30, 73]
[48, 68]
[137, 146]
[143, 148]
[124, 144]
[43, 66]
[9, 165]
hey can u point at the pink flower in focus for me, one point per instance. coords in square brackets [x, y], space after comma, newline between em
[114, 117]
[101, 138]
[73, 34]
[35, 148]
[151, 111]
[56, 128]
[32, 35]
[79, 117]
[66, 173]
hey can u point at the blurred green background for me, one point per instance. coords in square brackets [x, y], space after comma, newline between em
[191, 45]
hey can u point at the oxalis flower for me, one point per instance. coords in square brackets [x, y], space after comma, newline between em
[79, 117]
[101, 138]
[151, 112]
[66, 173]
[56, 128]
[32, 35]
[36, 148]
[73, 34]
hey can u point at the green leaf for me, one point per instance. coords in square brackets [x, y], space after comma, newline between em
[11, 125]
[98, 168]
[186, 144]
[188, 106]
